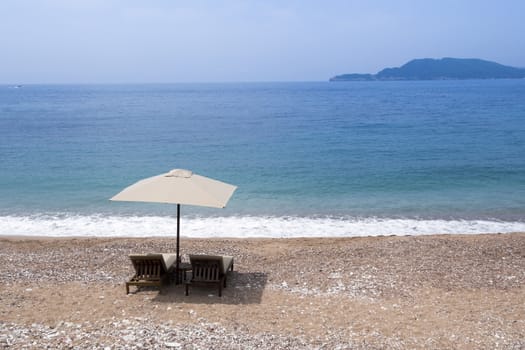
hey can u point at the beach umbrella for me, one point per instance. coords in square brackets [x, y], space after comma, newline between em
[178, 186]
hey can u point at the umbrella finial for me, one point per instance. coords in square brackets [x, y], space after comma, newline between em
[180, 173]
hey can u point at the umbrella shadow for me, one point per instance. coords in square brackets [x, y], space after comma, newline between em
[241, 288]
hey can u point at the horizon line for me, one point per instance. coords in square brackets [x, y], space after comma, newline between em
[21, 84]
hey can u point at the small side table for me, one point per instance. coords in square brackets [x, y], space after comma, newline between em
[183, 269]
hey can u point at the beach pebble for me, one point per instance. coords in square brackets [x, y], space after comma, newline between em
[172, 345]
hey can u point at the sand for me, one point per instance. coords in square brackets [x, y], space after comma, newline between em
[426, 292]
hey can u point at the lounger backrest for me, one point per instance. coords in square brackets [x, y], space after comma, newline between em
[206, 267]
[147, 267]
[168, 260]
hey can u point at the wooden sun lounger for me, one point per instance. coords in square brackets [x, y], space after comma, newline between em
[151, 269]
[209, 269]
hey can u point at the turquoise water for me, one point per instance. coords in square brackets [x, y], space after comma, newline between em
[446, 155]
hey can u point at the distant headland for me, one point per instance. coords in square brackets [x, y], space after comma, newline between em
[440, 69]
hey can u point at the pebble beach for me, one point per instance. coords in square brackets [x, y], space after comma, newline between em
[417, 292]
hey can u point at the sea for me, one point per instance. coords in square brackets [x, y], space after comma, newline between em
[310, 159]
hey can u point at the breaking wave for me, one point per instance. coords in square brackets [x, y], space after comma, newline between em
[242, 226]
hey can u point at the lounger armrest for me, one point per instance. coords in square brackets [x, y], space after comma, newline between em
[227, 263]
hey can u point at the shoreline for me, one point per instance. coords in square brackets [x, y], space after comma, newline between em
[435, 235]
[440, 291]
[211, 237]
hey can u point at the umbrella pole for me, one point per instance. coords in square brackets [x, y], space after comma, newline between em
[178, 240]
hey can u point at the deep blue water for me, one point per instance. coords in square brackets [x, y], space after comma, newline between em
[395, 150]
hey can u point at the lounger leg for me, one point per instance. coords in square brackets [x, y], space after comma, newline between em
[187, 285]
[220, 289]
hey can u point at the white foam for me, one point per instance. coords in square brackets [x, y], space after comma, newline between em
[245, 226]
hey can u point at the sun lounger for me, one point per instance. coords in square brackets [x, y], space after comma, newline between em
[209, 269]
[151, 269]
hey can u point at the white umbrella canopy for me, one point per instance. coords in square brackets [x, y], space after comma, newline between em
[178, 186]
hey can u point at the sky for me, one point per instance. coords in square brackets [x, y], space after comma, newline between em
[171, 41]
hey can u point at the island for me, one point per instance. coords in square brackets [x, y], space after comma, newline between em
[440, 69]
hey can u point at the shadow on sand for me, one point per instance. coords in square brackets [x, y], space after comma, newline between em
[241, 288]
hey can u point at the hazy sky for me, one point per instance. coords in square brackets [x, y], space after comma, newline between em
[124, 41]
